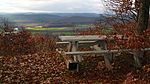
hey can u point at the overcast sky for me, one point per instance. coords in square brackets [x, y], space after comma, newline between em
[56, 6]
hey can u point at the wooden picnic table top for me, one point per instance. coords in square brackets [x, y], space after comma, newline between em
[84, 37]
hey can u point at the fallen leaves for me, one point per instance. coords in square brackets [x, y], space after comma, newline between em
[30, 68]
[50, 68]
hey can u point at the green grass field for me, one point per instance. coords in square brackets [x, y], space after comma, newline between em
[58, 30]
[78, 26]
[106, 31]
[64, 30]
[51, 28]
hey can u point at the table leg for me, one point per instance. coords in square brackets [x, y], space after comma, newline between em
[108, 57]
[73, 64]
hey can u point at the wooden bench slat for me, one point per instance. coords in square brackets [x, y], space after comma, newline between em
[80, 42]
[85, 38]
[91, 52]
[102, 51]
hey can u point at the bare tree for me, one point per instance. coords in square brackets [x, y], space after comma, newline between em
[124, 9]
[6, 25]
[137, 10]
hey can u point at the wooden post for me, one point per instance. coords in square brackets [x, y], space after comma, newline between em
[69, 47]
[137, 58]
[72, 47]
[108, 57]
[67, 59]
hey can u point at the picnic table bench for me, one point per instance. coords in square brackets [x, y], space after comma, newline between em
[98, 42]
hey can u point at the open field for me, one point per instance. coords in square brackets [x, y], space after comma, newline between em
[78, 26]
[61, 30]
[58, 30]
[52, 28]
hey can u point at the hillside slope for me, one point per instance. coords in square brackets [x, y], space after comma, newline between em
[51, 19]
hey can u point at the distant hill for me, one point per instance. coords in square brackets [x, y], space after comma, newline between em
[51, 19]
[71, 21]
[64, 14]
[77, 14]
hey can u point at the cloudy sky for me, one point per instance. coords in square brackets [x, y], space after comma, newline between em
[56, 6]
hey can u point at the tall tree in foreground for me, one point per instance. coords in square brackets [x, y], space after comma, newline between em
[141, 26]
[143, 16]
[138, 11]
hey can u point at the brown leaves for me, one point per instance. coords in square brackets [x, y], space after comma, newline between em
[31, 68]
[50, 68]
[24, 43]
[131, 40]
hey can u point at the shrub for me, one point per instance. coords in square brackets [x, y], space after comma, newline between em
[24, 43]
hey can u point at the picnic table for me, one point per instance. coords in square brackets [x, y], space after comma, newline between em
[98, 42]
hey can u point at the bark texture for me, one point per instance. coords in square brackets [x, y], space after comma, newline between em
[143, 16]
[142, 24]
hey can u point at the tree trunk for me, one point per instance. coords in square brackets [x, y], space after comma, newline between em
[142, 24]
[143, 16]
